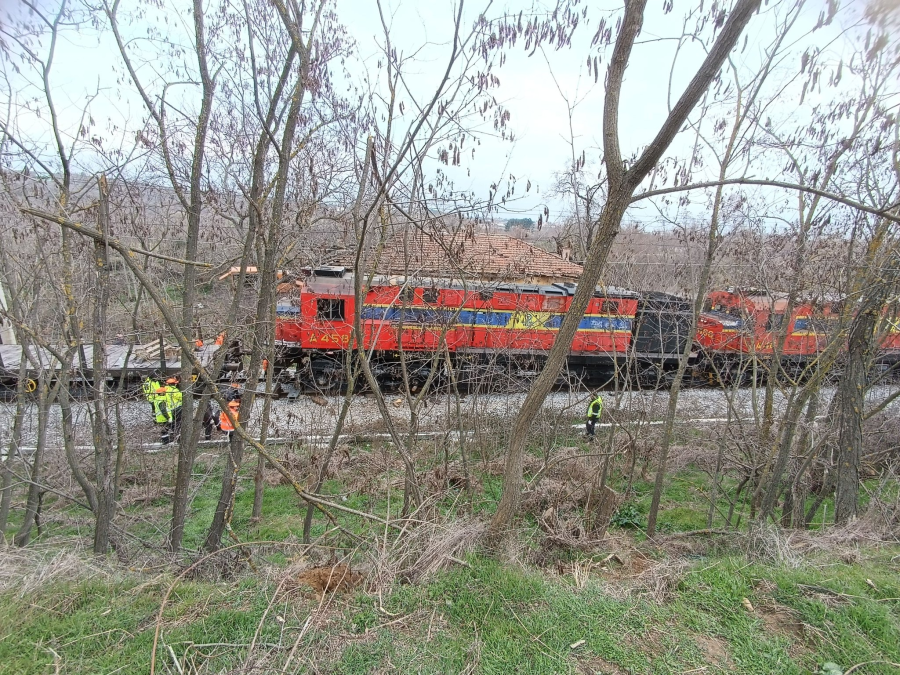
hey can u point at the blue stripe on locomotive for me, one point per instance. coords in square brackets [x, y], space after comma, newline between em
[498, 319]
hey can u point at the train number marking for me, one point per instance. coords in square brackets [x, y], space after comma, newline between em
[330, 338]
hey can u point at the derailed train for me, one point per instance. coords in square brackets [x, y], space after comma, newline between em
[487, 330]
[495, 333]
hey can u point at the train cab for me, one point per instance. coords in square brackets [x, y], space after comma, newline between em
[751, 322]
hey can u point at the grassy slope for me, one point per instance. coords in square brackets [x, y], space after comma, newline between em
[490, 617]
[497, 618]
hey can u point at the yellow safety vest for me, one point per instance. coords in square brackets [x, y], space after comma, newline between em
[160, 408]
[174, 398]
[595, 408]
[165, 405]
[149, 387]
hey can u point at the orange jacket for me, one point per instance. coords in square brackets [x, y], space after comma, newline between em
[225, 423]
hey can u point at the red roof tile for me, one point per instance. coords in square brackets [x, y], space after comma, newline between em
[479, 256]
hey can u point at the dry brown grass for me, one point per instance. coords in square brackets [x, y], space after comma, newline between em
[766, 542]
[879, 524]
[30, 569]
[327, 579]
[429, 547]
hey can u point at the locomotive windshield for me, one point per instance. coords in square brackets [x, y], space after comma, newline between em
[329, 309]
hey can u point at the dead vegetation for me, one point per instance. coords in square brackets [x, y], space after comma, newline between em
[25, 571]
[327, 579]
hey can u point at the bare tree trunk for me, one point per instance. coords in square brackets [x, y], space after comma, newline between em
[68, 431]
[622, 185]
[332, 443]
[258, 482]
[713, 239]
[226, 495]
[852, 392]
[187, 445]
[672, 408]
[12, 450]
[610, 219]
[104, 459]
[32, 502]
[785, 444]
[714, 489]
[264, 332]
[793, 516]
[463, 455]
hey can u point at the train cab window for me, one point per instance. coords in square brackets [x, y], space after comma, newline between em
[329, 310]
[407, 294]
[609, 307]
[485, 294]
[430, 295]
[774, 322]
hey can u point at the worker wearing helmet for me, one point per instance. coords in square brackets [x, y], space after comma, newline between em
[595, 409]
[225, 425]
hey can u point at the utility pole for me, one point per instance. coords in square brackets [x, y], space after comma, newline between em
[7, 335]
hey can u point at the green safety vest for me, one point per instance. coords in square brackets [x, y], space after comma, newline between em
[174, 398]
[149, 387]
[160, 408]
[595, 408]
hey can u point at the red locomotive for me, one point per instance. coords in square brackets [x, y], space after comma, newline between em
[738, 327]
[486, 328]
[494, 330]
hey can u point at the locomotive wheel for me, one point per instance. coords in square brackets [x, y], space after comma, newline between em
[327, 381]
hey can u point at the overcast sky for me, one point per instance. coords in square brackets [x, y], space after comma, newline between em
[532, 87]
[528, 88]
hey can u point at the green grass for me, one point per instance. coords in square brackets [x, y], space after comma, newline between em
[494, 617]
[489, 616]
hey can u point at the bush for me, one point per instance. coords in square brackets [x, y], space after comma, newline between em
[628, 515]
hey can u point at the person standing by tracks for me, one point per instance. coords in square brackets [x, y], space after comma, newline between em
[225, 425]
[171, 406]
[595, 409]
[149, 387]
[209, 422]
[158, 402]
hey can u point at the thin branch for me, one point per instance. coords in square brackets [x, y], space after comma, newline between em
[96, 236]
[882, 212]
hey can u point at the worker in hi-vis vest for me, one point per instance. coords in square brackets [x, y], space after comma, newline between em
[149, 387]
[160, 402]
[225, 425]
[595, 408]
[167, 409]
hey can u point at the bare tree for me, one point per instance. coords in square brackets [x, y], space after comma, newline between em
[187, 185]
[622, 183]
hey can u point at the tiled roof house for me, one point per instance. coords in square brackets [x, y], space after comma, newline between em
[480, 256]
